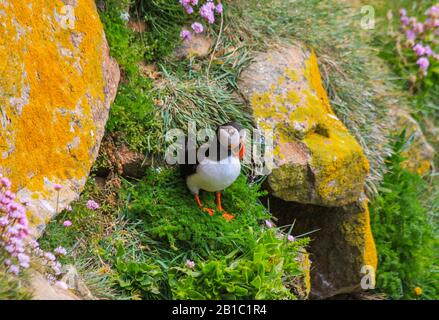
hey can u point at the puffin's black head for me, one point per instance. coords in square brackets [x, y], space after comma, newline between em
[232, 135]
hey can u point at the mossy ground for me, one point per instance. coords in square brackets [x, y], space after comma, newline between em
[136, 245]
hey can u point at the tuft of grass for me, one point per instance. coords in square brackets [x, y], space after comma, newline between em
[192, 98]
[13, 288]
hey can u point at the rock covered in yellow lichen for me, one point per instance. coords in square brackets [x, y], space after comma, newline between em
[56, 85]
[317, 160]
[342, 249]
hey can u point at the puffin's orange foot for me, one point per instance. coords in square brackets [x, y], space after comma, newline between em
[228, 216]
[208, 210]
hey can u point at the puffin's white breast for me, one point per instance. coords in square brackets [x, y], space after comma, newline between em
[214, 175]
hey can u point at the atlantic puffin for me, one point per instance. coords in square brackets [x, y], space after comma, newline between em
[217, 170]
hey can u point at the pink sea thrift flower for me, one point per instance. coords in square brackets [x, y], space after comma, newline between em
[49, 256]
[219, 8]
[290, 238]
[61, 285]
[268, 223]
[207, 12]
[24, 260]
[67, 223]
[428, 51]
[423, 64]
[402, 12]
[92, 205]
[189, 9]
[419, 27]
[419, 49]
[5, 182]
[61, 251]
[405, 21]
[190, 264]
[57, 186]
[433, 11]
[14, 269]
[410, 35]
[197, 27]
[185, 35]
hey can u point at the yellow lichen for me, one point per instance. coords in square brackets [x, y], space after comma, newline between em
[304, 112]
[34, 145]
[292, 74]
[370, 256]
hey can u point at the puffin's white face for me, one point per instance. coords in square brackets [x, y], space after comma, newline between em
[229, 137]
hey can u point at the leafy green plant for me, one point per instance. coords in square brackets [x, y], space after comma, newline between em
[139, 278]
[404, 234]
[258, 274]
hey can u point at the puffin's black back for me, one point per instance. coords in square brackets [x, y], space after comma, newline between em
[187, 169]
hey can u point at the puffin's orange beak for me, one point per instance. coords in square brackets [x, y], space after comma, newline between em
[241, 152]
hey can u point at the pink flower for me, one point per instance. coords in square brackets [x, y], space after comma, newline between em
[189, 9]
[185, 35]
[219, 8]
[197, 27]
[34, 244]
[428, 51]
[57, 186]
[92, 205]
[187, 6]
[419, 27]
[10, 195]
[69, 208]
[410, 35]
[61, 285]
[419, 49]
[190, 264]
[14, 269]
[24, 260]
[402, 12]
[423, 64]
[49, 256]
[290, 238]
[67, 223]
[433, 11]
[5, 182]
[405, 21]
[268, 223]
[61, 251]
[207, 11]
[4, 221]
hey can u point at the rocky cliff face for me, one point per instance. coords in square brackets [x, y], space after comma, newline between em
[319, 168]
[56, 85]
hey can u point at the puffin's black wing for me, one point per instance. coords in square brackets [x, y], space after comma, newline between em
[187, 169]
